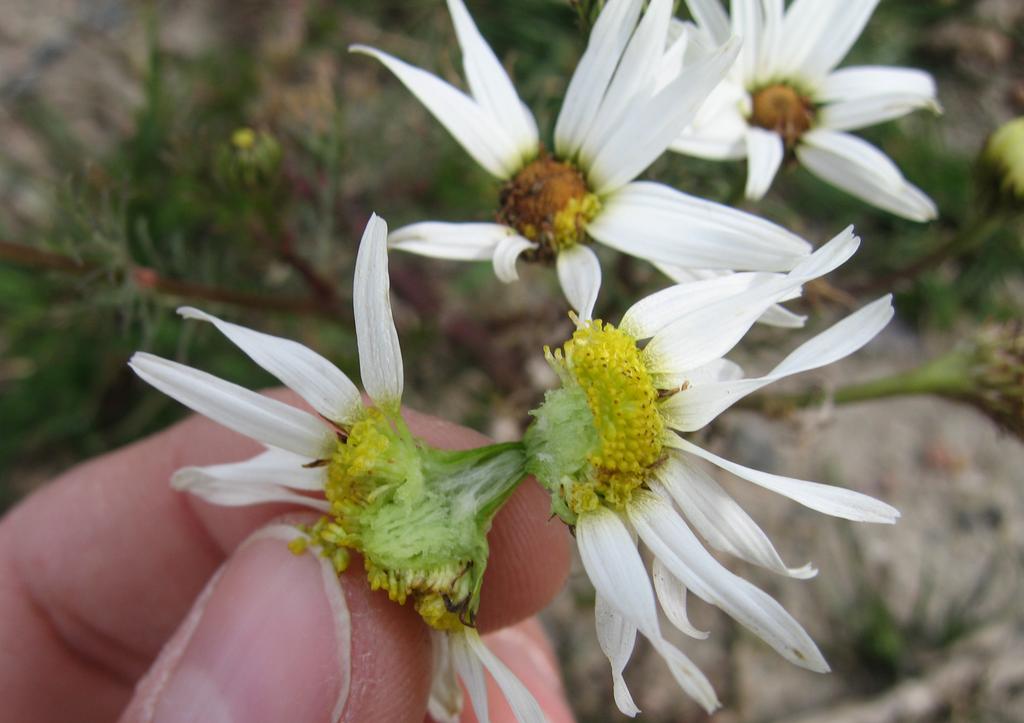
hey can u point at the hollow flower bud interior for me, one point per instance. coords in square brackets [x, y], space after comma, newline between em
[418, 515]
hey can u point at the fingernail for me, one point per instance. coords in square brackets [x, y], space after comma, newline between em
[272, 642]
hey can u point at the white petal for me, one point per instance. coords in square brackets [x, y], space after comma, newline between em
[589, 82]
[490, 84]
[804, 23]
[681, 37]
[634, 80]
[688, 676]
[836, 36]
[719, 129]
[456, 241]
[716, 370]
[710, 331]
[654, 312]
[468, 666]
[313, 377]
[711, 17]
[774, 316]
[613, 565]
[255, 481]
[672, 597]
[863, 171]
[747, 23]
[863, 82]
[782, 317]
[726, 145]
[862, 96]
[271, 467]
[380, 357]
[770, 42]
[851, 115]
[266, 420]
[579, 272]
[616, 637]
[719, 519]
[481, 135]
[765, 151]
[652, 124]
[828, 499]
[445, 702]
[506, 253]
[694, 407]
[524, 706]
[842, 339]
[675, 545]
[658, 223]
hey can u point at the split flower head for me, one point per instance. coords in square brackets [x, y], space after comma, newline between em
[417, 515]
[783, 97]
[607, 445]
[625, 103]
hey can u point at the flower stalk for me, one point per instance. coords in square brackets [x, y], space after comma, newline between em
[986, 372]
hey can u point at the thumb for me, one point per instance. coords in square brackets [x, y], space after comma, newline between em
[276, 636]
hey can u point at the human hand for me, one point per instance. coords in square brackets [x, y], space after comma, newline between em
[120, 596]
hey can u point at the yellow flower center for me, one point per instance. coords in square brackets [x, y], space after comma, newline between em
[782, 109]
[606, 364]
[549, 203]
[243, 138]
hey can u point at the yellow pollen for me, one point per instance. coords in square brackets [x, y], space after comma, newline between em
[782, 109]
[549, 203]
[350, 472]
[607, 365]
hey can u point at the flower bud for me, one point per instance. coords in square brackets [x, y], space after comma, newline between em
[998, 374]
[1000, 176]
[249, 160]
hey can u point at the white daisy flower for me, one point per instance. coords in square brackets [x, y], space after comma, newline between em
[359, 465]
[620, 113]
[609, 446]
[784, 97]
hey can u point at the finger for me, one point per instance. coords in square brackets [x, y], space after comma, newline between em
[276, 636]
[110, 558]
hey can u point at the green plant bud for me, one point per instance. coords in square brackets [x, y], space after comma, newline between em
[1000, 174]
[251, 159]
[998, 374]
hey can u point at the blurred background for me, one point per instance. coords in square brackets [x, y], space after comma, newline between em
[228, 155]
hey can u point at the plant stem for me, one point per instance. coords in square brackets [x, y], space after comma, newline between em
[150, 279]
[946, 376]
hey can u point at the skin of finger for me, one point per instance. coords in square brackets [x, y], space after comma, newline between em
[40, 678]
[119, 571]
[283, 651]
